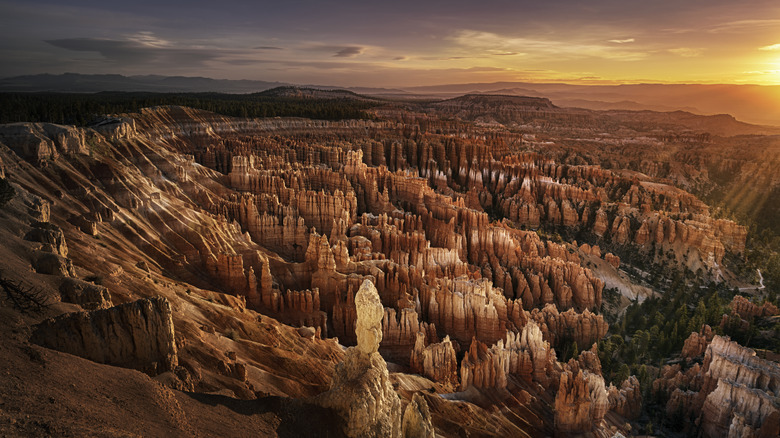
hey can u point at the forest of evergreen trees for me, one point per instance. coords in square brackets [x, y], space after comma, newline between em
[80, 109]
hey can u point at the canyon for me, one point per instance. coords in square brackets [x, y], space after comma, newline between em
[423, 272]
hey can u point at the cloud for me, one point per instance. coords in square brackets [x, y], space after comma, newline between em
[687, 52]
[762, 72]
[141, 49]
[484, 69]
[349, 52]
[772, 47]
[245, 61]
[625, 41]
[445, 58]
[742, 25]
[491, 43]
[267, 48]
[337, 51]
[148, 39]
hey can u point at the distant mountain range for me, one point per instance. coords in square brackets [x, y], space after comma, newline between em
[750, 103]
[758, 104]
[79, 83]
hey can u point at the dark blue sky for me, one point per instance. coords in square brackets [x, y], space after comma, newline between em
[398, 43]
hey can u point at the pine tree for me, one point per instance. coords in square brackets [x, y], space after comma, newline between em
[574, 351]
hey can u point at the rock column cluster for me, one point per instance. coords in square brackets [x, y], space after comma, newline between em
[361, 391]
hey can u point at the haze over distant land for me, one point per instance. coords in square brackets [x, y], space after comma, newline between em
[749, 103]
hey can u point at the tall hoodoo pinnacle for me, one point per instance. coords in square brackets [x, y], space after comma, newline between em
[369, 318]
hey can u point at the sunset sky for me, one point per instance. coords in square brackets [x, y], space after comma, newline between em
[399, 43]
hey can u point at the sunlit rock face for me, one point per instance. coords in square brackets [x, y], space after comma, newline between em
[741, 391]
[361, 391]
[733, 393]
[581, 402]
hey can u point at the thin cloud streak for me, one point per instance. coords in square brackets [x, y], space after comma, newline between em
[349, 52]
[133, 51]
[687, 52]
[471, 40]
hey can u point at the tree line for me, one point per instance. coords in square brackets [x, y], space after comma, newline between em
[81, 109]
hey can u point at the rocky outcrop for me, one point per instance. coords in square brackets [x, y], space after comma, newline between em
[627, 400]
[612, 260]
[733, 409]
[747, 310]
[136, 335]
[732, 235]
[727, 360]
[50, 235]
[589, 360]
[40, 142]
[525, 355]
[88, 295]
[51, 257]
[361, 391]
[601, 224]
[52, 264]
[580, 403]
[696, 344]
[436, 361]
[734, 390]
[465, 308]
[417, 419]
[403, 328]
[297, 308]
[583, 328]
[29, 141]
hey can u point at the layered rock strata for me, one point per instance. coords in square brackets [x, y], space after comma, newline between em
[734, 392]
[136, 335]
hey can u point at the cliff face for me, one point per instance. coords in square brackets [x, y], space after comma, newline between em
[736, 410]
[741, 389]
[734, 392]
[136, 335]
[40, 142]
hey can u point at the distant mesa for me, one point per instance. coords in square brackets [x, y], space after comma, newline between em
[312, 93]
[495, 100]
